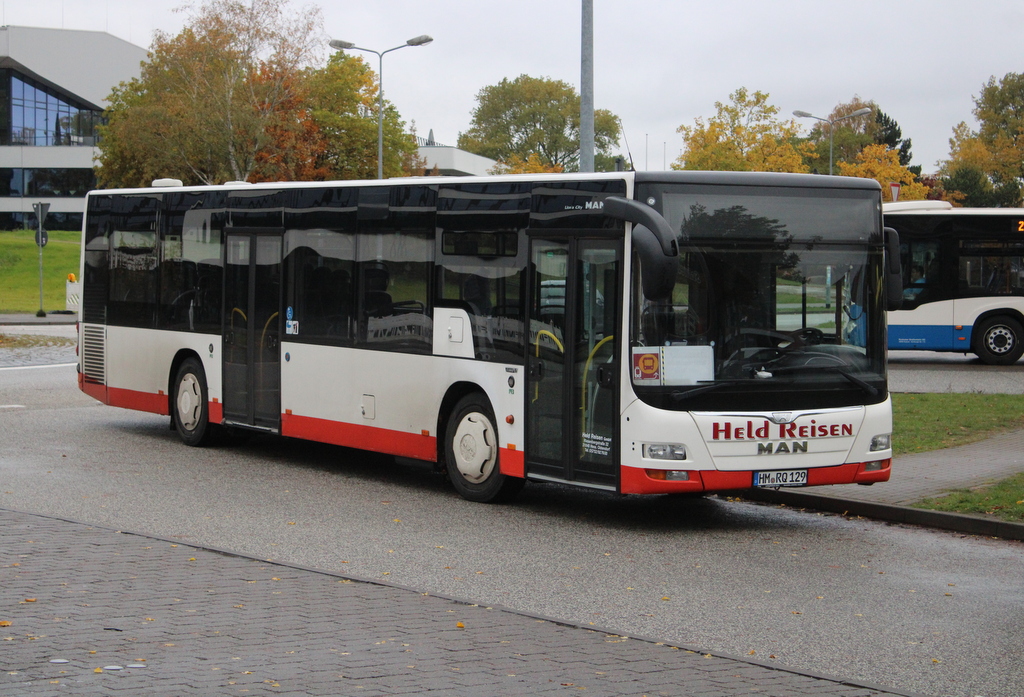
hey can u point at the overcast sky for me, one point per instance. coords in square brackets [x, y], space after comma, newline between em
[658, 63]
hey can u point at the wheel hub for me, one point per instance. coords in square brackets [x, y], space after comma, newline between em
[474, 447]
[1000, 340]
[188, 402]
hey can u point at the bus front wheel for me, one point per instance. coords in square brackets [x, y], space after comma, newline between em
[999, 341]
[472, 452]
[190, 407]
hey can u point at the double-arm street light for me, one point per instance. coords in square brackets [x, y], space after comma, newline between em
[831, 123]
[345, 45]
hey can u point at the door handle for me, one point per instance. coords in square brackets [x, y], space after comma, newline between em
[537, 370]
[605, 376]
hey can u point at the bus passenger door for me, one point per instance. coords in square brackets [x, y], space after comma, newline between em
[252, 337]
[573, 363]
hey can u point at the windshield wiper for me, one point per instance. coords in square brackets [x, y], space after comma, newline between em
[708, 387]
[866, 386]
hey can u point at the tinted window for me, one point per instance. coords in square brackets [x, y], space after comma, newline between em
[482, 262]
[134, 274]
[191, 268]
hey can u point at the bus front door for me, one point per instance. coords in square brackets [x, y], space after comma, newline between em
[252, 336]
[573, 363]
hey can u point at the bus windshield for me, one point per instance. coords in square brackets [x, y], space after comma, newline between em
[771, 303]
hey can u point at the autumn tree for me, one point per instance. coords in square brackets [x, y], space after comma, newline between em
[210, 97]
[844, 136]
[744, 135]
[986, 165]
[531, 165]
[882, 164]
[535, 116]
[343, 98]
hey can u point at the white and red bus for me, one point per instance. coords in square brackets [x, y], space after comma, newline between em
[963, 273]
[630, 332]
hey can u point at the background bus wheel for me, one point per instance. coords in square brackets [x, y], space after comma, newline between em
[471, 453]
[999, 341]
[190, 407]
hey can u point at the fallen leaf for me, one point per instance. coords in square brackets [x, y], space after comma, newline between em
[30, 600]
[97, 670]
[5, 623]
[460, 625]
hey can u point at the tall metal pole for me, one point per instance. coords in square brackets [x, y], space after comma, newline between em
[380, 117]
[587, 89]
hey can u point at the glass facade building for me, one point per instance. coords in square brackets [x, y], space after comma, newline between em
[54, 84]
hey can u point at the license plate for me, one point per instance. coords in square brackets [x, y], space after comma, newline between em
[781, 478]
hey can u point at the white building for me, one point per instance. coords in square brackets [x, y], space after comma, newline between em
[450, 161]
[54, 85]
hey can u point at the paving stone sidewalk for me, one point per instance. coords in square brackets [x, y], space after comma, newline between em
[86, 610]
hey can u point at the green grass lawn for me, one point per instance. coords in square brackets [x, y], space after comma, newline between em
[923, 422]
[19, 269]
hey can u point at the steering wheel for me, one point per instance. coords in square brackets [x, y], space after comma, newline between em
[809, 335]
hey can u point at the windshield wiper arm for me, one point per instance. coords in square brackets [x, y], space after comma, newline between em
[864, 385]
[701, 389]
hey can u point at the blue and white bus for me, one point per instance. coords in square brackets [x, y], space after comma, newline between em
[963, 271]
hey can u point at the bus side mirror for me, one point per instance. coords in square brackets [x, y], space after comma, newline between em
[653, 240]
[893, 273]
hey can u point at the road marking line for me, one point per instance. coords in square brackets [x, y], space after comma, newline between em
[12, 406]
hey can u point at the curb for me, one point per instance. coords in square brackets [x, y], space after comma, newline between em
[52, 317]
[956, 522]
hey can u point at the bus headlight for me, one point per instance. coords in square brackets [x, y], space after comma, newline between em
[665, 451]
[881, 442]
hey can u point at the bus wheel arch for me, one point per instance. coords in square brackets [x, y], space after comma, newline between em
[998, 339]
[471, 451]
[189, 400]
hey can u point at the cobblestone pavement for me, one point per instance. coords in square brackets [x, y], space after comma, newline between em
[86, 610]
[50, 344]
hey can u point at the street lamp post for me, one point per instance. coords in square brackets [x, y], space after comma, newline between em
[831, 123]
[339, 45]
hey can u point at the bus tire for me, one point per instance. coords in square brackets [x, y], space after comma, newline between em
[999, 341]
[472, 453]
[190, 407]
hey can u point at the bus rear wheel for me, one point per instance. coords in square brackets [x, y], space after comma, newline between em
[472, 453]
[191, 409]
[999, 341]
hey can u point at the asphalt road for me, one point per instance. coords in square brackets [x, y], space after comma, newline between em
[928, 371]
[918, 610]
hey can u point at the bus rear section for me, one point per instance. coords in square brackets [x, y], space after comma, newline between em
[963, 271]
[628, 332]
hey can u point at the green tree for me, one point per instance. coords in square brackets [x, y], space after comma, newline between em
[999, 110]
[343, 100]
[744, 135]
[889, 134]
[535, 116]
[207, 101]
